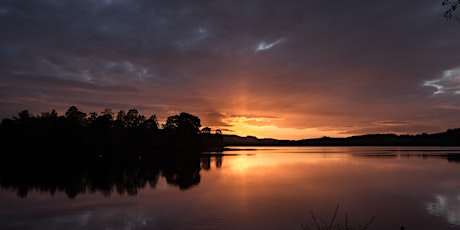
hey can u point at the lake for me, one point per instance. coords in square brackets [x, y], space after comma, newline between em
[245, 188]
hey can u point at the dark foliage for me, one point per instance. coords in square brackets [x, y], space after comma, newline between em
[449, 138]
[79, 153]
[452, 7]
[78, 134]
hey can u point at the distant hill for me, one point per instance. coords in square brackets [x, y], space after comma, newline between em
[233, 140]
[449, 138]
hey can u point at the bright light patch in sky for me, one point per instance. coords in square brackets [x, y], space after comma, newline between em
[261, 46]
[261, 127]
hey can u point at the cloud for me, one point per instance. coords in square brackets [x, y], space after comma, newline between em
[392, 123]
[53, 83]
[323, 65]
[262, 46]
[215, 119]
[254, 116]
[448, 83]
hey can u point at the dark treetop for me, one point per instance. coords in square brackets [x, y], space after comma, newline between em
[80, 134]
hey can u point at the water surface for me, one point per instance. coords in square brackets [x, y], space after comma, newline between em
[248, 188]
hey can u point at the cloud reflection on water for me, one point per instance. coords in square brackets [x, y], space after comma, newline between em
[446, 206]
[267, 188]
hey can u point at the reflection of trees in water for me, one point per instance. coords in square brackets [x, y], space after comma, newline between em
[183, 172]
[453, 158]
[206, 160]
[123, 176]
[450, 157]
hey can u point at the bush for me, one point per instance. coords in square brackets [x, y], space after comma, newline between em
[334, 223]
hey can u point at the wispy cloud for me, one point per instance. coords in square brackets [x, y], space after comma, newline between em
[262, 46]
[448, 83]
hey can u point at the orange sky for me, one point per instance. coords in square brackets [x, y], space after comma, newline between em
[288, 70]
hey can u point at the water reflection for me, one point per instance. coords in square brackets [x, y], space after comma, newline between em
[447, 207]
[450, 157]
[207, 159]
[123, 176]
[265, 188]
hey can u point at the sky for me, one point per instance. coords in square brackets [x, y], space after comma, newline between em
[287, 69]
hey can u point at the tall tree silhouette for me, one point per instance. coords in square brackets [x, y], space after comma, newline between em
[75, 115]
[182, 132]
[183, 121]
[23, 116]
[151, 123]
[133, 119]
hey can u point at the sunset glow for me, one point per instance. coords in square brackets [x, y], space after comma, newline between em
[243, 128]
[248, 161]
[287, 70]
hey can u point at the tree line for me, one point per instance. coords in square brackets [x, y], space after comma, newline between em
[122, 134]
[449, 138]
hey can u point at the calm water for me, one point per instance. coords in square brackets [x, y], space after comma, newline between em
[262, 188]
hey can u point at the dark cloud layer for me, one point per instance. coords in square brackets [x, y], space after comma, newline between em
[342, 67]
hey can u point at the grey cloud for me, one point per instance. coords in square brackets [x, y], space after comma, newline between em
[355, 59]
[254, 116]
[45, 82]
[214, 119]
[448, 83]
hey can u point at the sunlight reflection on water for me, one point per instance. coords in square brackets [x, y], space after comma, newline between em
[266, 188]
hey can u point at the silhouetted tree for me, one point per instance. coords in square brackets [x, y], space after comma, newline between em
[91, 118]
[151, 123]
[51, 114]
[23, 116]
[211, 142]
[73, 114]
[183, 121]
[78, 134]
[120, 122]
[102, 123]
[133, 119]
[182, 133]
[108, 114]
[453, 5]
[206, 130]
